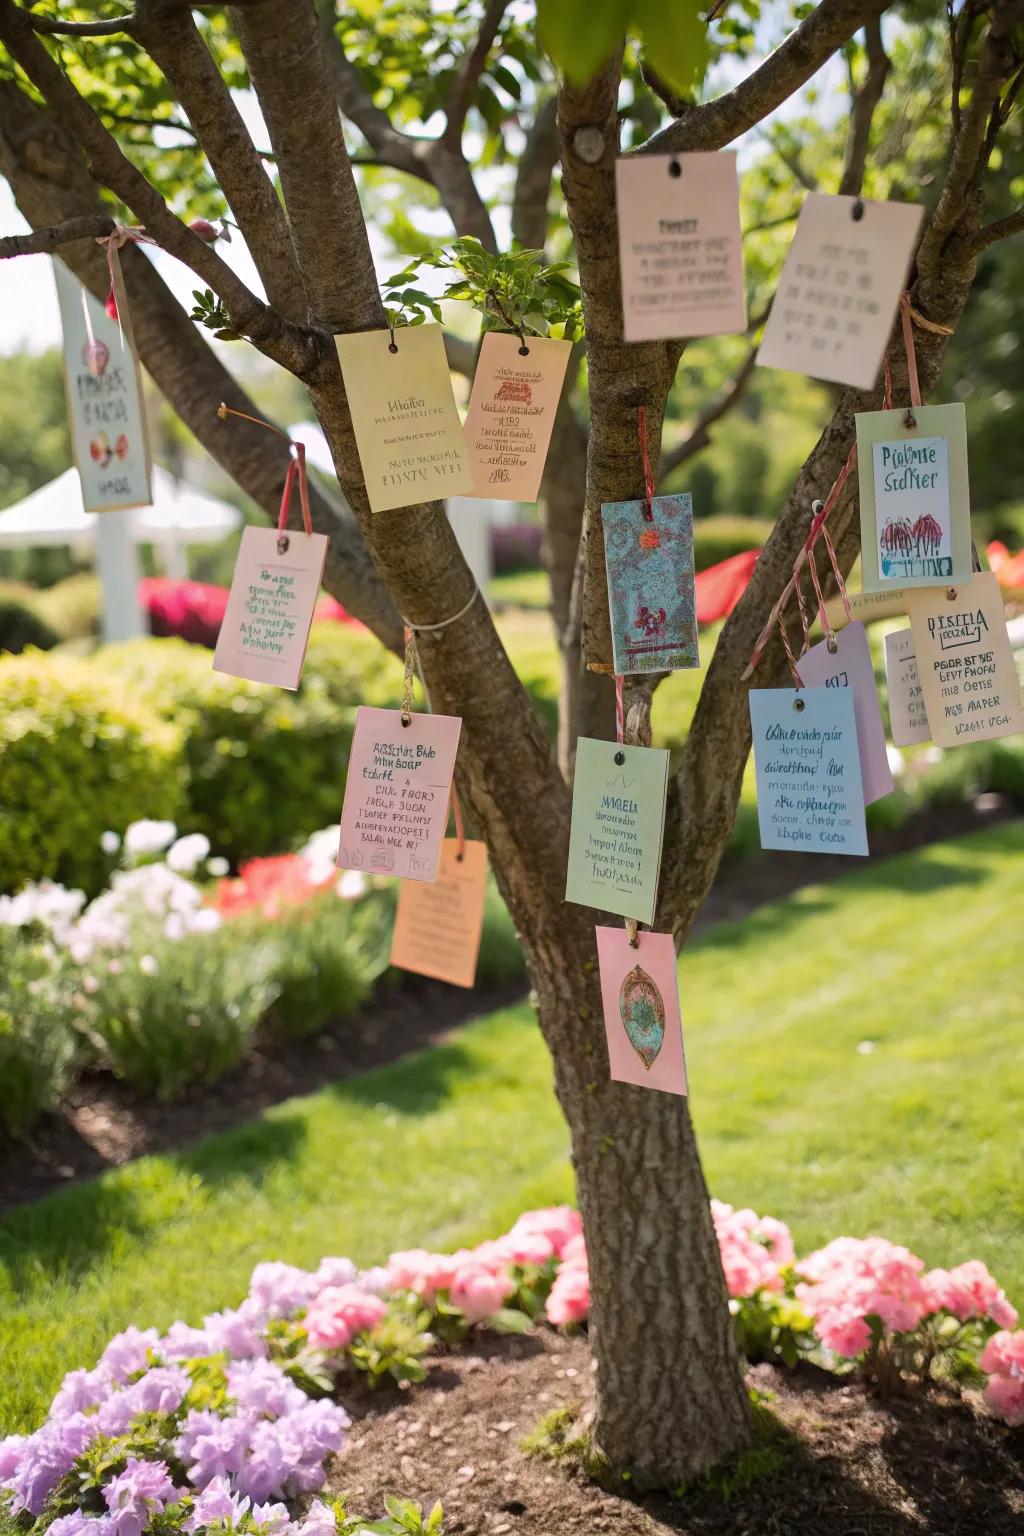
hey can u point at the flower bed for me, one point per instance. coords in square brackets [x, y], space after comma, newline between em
[229, 1425]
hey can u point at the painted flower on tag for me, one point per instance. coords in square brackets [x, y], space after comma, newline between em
[650, 622]
[650, 538]
[642, 1010]
[96, 356]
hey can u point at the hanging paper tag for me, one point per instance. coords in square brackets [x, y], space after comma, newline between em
[680, 248]
[849, 666]
[915, 511]
[618, 821]
[971, 688]
[270, 607]
[511, 413]
[438, 927]
[908, 719]
[104, 400]
[866, 606]
[839, 289]
[809, 792]
[651, 584]
[397, 792]
[640, 996]
[404, 416]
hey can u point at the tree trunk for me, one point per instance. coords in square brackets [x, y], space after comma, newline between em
[670, 1398]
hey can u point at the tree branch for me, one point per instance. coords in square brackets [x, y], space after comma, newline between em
[88, 226]
[170, 36]
[468, 72]
[805, 50]
[50, 181]
[865, 100]
[533, 178]
[999, 229]
[292, 348]
[55, 26]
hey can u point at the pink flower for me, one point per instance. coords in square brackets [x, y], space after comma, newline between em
[339, 1313]
[422, 1272]
[569, 1298]
[478, 1291]
[853, 1279]
[1003, 1359]
[558, 1223]
[969, 1291]
[753, 1248]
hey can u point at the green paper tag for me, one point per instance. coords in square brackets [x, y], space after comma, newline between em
[618, 820]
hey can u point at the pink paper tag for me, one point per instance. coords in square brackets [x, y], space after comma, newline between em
[512, 412]
[397, 791]
[640, 993]
[270, 607]
[850, 667]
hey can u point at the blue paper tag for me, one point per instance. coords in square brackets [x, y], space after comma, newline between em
[809, 792]
[651, 595]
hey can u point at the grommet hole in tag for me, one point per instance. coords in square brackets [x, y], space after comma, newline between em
[799, 706]
[857, 211]
[620, 758]
[675, 169]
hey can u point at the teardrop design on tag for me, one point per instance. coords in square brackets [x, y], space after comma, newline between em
[96, 356]
[642, 1010]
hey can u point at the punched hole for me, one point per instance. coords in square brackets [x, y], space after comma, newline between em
[857, 211]
[524, 350]
[799, 706]
[620, 758]
[951, 594]
[283, 544]
[392, 346]
[406, 719]
[675, 169]
[832, 645]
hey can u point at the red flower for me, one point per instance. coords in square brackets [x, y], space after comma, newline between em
[268, 885]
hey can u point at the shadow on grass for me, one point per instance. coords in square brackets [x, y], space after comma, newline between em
[416, 1085]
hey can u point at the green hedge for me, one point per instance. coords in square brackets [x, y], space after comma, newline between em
[718, 538]
[76, 758]
[21, 627]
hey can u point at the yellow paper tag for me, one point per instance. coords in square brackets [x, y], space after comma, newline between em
[964, 660]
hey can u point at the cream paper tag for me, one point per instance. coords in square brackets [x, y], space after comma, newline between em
[404, 416]
[970, 684]
[680, 247]
[516, 389]
[839, 289]
[908, 718]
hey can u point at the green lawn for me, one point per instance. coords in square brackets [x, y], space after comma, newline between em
[919, 1139]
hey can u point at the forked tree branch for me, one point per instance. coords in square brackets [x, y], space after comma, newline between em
[999, 229]
[865, 99]
[533, 178]
[805, 50]
[102, 27]
[468, 72]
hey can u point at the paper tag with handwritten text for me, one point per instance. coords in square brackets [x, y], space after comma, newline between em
[511, 413]
[404, 416]
[618, 821]
[270, 607]
[915, 511]
[971, 688]
[908, 718]
[438, 926]
[640, 999]
[104, 400]
[680, 248]
[850, 666]
[840, 288]
[397, 791]
[809, 792]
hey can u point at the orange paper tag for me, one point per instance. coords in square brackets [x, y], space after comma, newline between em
[964, 660]
[511, 413]
[438, 926]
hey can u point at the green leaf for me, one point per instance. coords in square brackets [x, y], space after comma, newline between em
[675, 38]
[581, 35]
[508, 1320]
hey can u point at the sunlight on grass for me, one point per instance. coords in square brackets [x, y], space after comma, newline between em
[855, 1065]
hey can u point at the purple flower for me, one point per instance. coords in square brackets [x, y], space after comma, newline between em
[12, 1450]
[45, 1457]
[79, 1390]
[216, 1503]
[272, 1518]
[261, 1388]
[236, 1333]
[280, 1289]
[138, 1493]
[181, 1342]
[78, 1523]
[219, 1450]
[128, 1353]
[287, 1454]
[161, 1390]
[318, 1520]
[334, 1272]
[116, 1413]
[376, 1281]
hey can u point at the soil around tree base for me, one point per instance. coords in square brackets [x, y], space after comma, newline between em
[850, 1465]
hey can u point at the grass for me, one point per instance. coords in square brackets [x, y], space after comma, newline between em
[918, 1138]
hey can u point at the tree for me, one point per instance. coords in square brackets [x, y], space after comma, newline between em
[670, 1401]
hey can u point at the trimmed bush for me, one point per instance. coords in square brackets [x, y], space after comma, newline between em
[76, 758]
[21, 626]
[72, 606]
[265, 767]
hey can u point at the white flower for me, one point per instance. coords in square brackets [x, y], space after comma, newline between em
[174, 927]
[143, 838]
[47, 903]
[186, 855]
[352, 885]
[320, 855]
[218, 867]
[110, 842]
[148, 965]
[206, 920]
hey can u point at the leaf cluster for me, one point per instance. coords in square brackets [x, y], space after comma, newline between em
[516, 290]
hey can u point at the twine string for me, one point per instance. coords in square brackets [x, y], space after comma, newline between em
[641, 422]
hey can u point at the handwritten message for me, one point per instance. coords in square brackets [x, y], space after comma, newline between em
[404, 416]
[397, 792]
[809, 792]
[847, 664]
[104, 401]
[839, 288]
[512, 412]
[908, 718]
[618, 820]
[438, 927]
[680, 250]
[270, 606]
[964, 660]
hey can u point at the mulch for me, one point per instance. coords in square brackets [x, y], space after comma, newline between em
[102, 1123]
[851, 1466]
